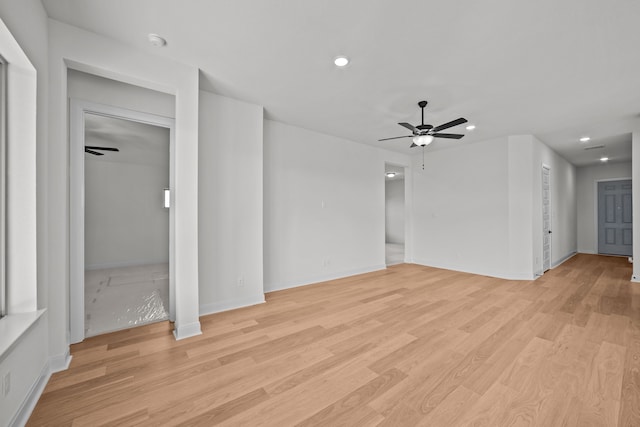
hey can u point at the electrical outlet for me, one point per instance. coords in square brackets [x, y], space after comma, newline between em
[6, 384]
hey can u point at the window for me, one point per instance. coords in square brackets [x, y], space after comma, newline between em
[3, 157]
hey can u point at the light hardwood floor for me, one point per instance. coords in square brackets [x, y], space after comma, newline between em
[407, 346]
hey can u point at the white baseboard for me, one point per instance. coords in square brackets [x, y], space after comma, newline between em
[324, 278]
[28, 405]
[497, 274]
[187, 331]
[561, 261]
[55, 364]
[60, 362]
[219, 307]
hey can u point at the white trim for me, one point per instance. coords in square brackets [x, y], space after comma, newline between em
[499, 275]
[563, 260]
[76, 203]
[60, 362]
[13, 327]
[542, 270]
[187, 331]
[325, 278]
[219, 307]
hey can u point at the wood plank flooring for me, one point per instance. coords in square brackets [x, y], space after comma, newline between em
[407, 346]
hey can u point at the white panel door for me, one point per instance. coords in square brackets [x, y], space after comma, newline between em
[546, 219]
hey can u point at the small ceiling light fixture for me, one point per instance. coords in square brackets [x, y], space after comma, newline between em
[585, 139]
[604, 159]
[422, 140]
[156, 40]
[390, 174]
[471, 127]
[341, 61]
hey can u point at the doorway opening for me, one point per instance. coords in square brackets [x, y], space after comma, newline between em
[615, 218]
[122, 222]
[394, 214]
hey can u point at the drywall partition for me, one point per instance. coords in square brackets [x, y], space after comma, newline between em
[461, 201]
[23, 332]
[71, 47]
[89, 87]
[521, 181]
[587, 178]
[230, 203]
[394, 211]
[324, 206]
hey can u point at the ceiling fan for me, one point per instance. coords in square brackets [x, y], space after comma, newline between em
[92, 150]
[423, 134]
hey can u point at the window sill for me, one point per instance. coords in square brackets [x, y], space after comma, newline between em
[13, 327]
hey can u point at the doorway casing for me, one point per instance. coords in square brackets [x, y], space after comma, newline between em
[78, 109]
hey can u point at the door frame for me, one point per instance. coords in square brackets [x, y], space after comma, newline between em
[77, 111]
[542, 266]
[595, 208]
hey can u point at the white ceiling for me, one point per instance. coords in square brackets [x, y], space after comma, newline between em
[557, 69]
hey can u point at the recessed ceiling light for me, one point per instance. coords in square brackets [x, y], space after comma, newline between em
[585, 139]
[156, 40]
[341, 61]
[471, 127]
[390, 174]
[604, 159]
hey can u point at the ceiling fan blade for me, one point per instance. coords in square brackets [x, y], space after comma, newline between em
[447, 135]
[450, 124]
[413, 144]
[409, 126]
[101, 148]
[95, 153]
[396, 137]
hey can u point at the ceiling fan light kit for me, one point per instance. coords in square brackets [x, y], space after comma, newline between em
[424, 134]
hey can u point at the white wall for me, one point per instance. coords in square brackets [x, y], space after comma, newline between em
[100, 90]
[587, 201]
[25, 357]
[461, 208]
[125, 221]
[230, 233]
[394, 210]
[480, 207]
[324, 206]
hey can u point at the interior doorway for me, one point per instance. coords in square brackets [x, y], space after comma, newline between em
[394, 214]
[615, 218]
[122, 222]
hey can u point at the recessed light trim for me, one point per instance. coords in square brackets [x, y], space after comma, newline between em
[471, 127]
[341, 61]
[157, 40]
[585, 139]
[390, 174]
[604, 159]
